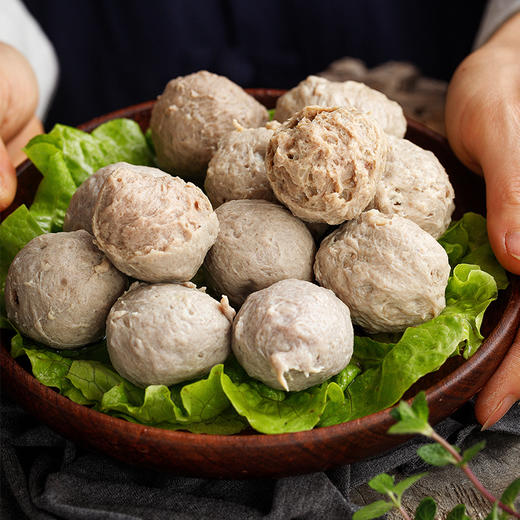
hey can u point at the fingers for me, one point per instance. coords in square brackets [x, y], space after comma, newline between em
[18, 101]
[8, 180]
[483, 127]
[501, 166]
[18, 92]
[502, 390]
[15, 146]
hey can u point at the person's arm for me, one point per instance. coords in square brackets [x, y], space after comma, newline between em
[18, 100]
[483, 128]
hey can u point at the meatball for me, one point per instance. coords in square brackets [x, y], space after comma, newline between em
[324, 93]
[416, 186]
[389, 272]
[259, 243]
[191, 116]
[163, 334]
[59, 289]
[153, 227]
[324, 163]
[237, 169]
[81, 208]
[293, 335]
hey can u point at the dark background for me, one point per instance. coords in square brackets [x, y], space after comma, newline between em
[115, 53]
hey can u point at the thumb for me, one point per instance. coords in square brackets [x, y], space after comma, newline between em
[8, 179]
[501, 167]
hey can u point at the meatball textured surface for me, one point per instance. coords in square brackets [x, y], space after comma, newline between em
[191, 116]
[416, 186]
[293, 335]
[237, 169]
[59, 289]
[162, 334]
[389, 272]
[259, 243]
[324, 163]
[154, 227]
[320, 91]
[81, 208]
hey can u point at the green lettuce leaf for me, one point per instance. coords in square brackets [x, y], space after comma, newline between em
[92, 378]
[390, 369]
[123, 138]
[205, 399]
[83, 153]
[200, 406]
[370, 353]
[152, 405]
[198, 402]
[274, 411]
[466, 242]
[53, 195]
[49, 368]
[227, 423]
[269, 411]
[336, 393]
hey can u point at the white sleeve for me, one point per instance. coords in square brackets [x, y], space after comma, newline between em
[497, 13]
[19, 29]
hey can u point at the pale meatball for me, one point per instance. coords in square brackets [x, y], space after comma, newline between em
[59, 289]
[154, 227]
[191, 116]
[164, 334]
[81, 207]
[389, 272]
[415, 185]
[324, 93]
[237, 169]
[259, 243]
[293, 335]
[324, 163]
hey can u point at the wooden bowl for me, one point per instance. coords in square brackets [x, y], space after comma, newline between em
[256, 455]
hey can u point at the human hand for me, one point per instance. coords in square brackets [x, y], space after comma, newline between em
[483, 128]
[18, 123]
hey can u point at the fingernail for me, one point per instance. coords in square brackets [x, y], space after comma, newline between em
[499, 411]
[513, 243]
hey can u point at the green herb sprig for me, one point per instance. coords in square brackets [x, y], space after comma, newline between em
[413, 420]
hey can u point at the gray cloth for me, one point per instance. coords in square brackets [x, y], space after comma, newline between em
[497, 13]
[47, 477]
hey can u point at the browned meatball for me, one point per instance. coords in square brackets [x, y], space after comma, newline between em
[191, 116]
[416, 186]
[237, 169]
[162, 334]
[60, 288]
[389, 272]
[154, 227]
[324, 163]
[259, 243]
[324, 93]
[81, 207]
[293, 335]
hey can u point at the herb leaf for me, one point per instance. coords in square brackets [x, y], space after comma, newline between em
[426, 510]
[373, 510]
[436, 455]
